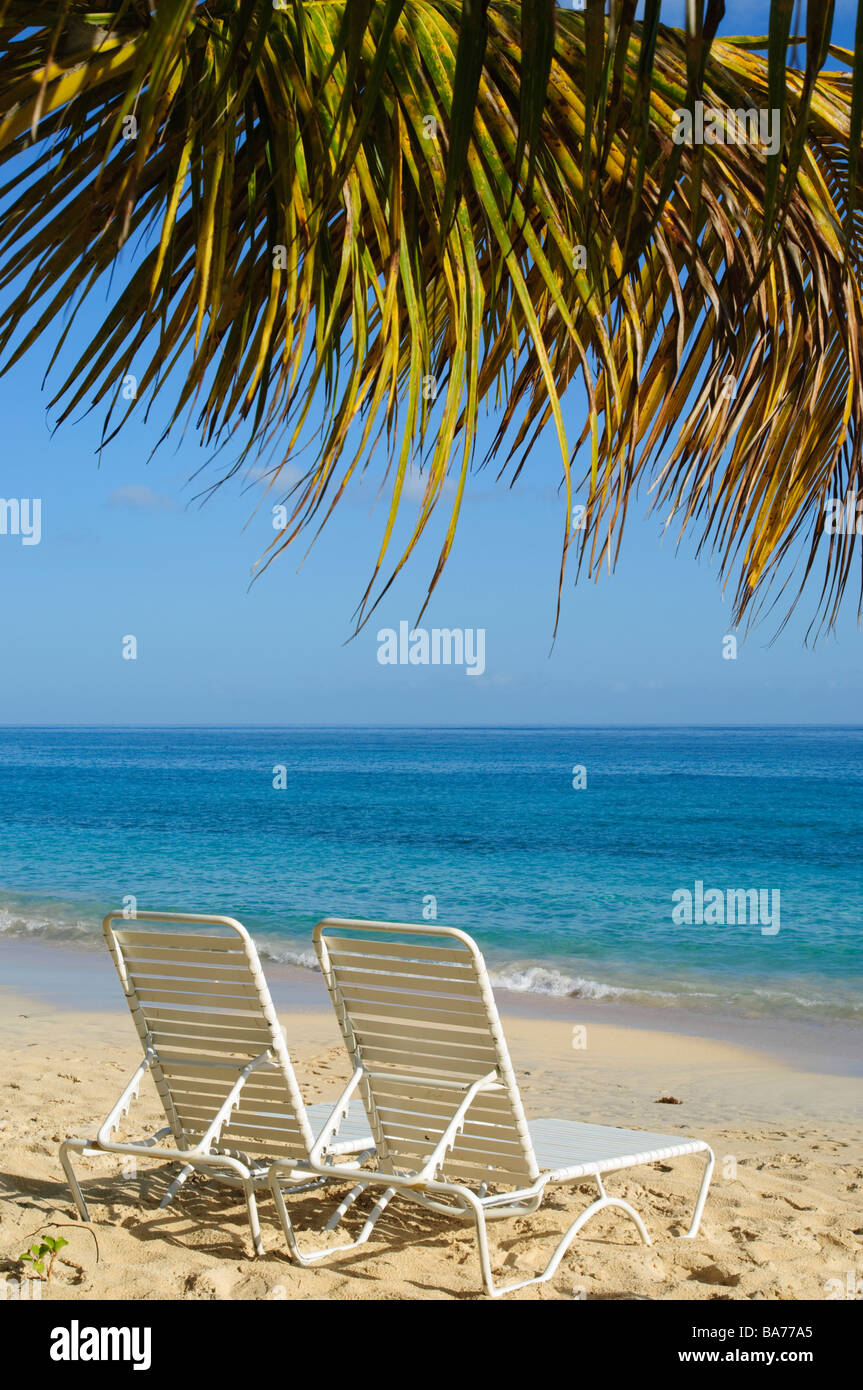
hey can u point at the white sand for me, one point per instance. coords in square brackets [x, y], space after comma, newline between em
[784, 1216]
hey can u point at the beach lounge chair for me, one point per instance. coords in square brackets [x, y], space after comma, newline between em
[217, 1055]
[419, 1021]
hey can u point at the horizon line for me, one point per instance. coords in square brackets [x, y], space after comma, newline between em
[453, 726]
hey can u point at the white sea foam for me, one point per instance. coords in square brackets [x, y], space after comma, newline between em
[538, 979]
[55, 924]
[26, 926]
[284, 955]
[528, 979]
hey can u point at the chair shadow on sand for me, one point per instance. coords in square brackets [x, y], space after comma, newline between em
[207, 1218]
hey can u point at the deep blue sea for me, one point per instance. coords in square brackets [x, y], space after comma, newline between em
[570, 891]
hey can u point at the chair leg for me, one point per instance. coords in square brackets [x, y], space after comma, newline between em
[344, 1205]
[702, 1197]
[254, 1221]
[74, 1146]
[561, 1248]
[375, 1212]
[175, 1186]
[603, 1201]
[313, 1256]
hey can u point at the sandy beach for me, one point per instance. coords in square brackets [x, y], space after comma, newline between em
[784, 1219]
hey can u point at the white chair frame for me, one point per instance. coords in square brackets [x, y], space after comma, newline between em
[229, 1163]
[429, 1185]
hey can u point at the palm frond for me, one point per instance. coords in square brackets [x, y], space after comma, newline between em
[344, 235]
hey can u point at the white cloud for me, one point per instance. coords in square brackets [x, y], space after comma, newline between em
[266, 473]
[141, 498]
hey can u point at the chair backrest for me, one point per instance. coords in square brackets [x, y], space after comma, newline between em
[201, 1005]
[417, 1013]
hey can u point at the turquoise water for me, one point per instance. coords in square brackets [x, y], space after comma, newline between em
[569, 892]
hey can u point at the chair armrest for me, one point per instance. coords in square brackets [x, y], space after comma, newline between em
[123, 1105]
[456, 1124]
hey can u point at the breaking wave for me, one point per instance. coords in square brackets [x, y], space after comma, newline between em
[60, 923]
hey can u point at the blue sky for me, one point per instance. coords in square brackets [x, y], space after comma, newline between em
[125, 550]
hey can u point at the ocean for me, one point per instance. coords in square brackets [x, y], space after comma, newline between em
[578, 858]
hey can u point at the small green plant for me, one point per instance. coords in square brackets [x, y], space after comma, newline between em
[48, 1249]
